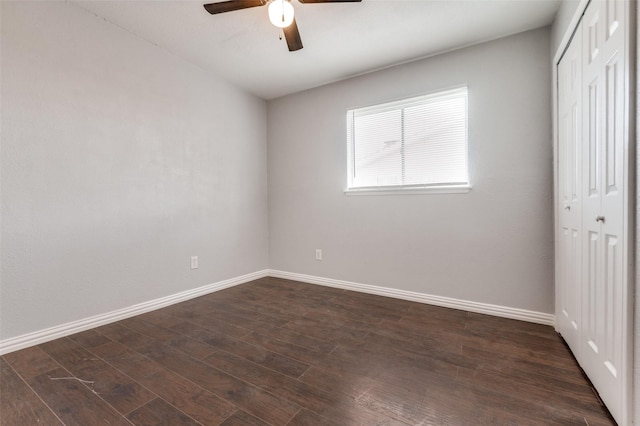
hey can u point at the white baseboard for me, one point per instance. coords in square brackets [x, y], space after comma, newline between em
[41, 336]
[35, 338]
[447, 302]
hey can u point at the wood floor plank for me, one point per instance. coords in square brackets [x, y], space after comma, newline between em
[384, 366]
[31, 362]
[525, 336]
[391, 330]
[121, 334]
[309, 418]
[341, 383]
[354, 319]
[217, 325]
[240, 316]
[250, 398]
[312, 398]
[193, 400]
[159, 413]
[349, 309]
[334, 331]
[404, 405]
[240, 418]
[559, 357]
[416, 348]
[492, 404]
[73, 402]
[178, 341]
[527, 369]
[451, 404]
[354, 314]
[535, 392]
[19, 405]
[302, 299]
[89, 339]
[257, 354]
[119, 390]
[266, 305]
[269, 330]
[301, 339]
[304, 355]
[110, 350]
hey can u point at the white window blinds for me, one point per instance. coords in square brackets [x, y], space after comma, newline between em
[417, 142]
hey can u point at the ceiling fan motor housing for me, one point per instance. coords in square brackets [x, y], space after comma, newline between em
[281, 14]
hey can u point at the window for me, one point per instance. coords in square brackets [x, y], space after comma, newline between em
[412, 144]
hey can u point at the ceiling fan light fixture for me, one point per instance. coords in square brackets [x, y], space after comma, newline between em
[281, 13]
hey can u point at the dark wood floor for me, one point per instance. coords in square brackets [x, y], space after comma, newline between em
[285, 353]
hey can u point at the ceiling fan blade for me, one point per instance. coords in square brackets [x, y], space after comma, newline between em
[329, 1]
[292, 35]
[231, 5]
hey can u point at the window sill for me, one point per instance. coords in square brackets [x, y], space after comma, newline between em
[453, 189]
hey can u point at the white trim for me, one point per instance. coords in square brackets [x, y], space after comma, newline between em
[568, 33]
[400, 190]
[447, 302]
[56, 332]
[417, 100]
[354, 183]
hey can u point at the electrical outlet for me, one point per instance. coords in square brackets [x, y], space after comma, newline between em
[318, 254]
[194, 262]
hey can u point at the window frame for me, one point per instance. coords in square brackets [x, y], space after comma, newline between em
[446, 188]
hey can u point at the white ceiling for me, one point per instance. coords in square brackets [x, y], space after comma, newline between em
[340, 40]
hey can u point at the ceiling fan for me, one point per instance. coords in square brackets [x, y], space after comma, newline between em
[280, 14]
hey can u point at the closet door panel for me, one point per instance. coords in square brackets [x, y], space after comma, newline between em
[594, 293]
[592, 337]
[604, 351]
[569, 270]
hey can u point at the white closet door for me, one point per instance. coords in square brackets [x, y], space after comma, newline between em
[604, 351]
[569, 234]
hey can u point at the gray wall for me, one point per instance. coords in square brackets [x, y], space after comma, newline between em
[493, 245]
[119, 162]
